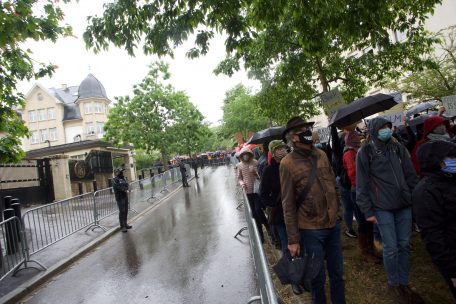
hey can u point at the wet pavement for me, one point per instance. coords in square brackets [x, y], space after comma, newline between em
[182, 251]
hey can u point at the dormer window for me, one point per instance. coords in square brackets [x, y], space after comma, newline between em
[39, 96]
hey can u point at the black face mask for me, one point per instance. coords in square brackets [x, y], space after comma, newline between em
[305, 137]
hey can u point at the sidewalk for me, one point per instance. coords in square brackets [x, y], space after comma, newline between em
[57, 256]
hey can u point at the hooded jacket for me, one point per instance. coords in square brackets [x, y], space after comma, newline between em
[385, 176]
[247, 172]
[434, 206]
[429, 125]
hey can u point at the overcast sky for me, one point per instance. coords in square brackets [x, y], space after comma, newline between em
[118, 72]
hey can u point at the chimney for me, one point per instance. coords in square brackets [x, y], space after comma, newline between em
[64, 86]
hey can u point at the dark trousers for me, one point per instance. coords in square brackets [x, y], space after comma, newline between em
[257, 212]
[184, 179]
[326, 244]
[122, 203]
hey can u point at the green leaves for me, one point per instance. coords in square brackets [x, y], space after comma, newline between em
[157, 117]
[21, 20]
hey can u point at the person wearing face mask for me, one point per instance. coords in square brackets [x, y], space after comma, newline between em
[435, 128]
[247, 175]
[312, 210]
[434, 206]
[385, 179]
[271, 197]
[120, 186]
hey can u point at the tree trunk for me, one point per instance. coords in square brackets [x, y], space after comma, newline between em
[164, 159]
[321, 75]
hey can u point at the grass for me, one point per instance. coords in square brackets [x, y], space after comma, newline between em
[365, 283]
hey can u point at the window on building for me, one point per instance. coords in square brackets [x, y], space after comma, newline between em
[53, 134]
[100, 127]
[88, 107]
[51, 113]
[98, 107]
[90, 128]
[34, 138]
[32, 116]
[42, 114]
[44, 135]
[39, 96]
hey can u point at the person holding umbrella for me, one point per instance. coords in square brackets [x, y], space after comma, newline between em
[385, 179]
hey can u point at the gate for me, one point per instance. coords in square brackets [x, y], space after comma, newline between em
[29, 180]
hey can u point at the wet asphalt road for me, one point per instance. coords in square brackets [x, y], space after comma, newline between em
[183, 251]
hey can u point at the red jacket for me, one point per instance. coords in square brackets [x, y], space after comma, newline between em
[350, 165]
[429, 125]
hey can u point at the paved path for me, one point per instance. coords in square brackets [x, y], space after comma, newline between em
[182, 251]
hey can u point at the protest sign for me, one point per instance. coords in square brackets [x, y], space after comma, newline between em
[331, 101]
[324, 134]
[449, 102]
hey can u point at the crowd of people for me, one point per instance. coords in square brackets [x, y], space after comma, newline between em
[386, 178]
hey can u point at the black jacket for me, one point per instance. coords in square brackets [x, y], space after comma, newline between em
[120, 185]
[270, 192]
[434, 206]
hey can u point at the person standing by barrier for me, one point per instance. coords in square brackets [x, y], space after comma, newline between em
[272, 198]
[195, 165]
[120, 186]
[385, 179]
[183, 172]
[247, 176]
[312, 209]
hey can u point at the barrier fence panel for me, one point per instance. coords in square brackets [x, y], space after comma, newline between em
[50, 223]
[267, 291]
[104, 205]
[11, 246]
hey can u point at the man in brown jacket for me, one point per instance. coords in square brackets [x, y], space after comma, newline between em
[312, 225]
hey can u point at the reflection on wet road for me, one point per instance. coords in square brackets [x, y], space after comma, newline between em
[181, 252]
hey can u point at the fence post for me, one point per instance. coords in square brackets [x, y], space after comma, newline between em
[95, 188]
[16, 206]
[11, 233]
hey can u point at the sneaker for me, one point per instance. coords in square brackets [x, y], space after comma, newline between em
[297, 290]
[351, 234]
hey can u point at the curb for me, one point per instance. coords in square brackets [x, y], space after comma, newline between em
[28, 287]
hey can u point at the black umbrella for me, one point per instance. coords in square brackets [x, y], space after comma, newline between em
[421, 107]
[362, 108]
[266, 135]
[418, 120]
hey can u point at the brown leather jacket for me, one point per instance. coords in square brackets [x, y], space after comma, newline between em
[321, 209]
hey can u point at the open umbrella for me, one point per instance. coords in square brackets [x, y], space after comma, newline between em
[362, 108]
[421, 107]
[266, 135]
[418, 120]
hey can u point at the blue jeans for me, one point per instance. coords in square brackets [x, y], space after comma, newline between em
[347, 204]
[282, 230]
[395, 228]
[326, 244]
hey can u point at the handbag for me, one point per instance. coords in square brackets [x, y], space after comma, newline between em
[298, 270]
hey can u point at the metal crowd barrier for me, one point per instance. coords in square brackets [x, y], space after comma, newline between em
[48, 224]
[268, 294]
[13, 248]
[43, 226]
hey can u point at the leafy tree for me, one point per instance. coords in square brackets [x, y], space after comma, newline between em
[156, 117]
[21, 20]
[145, 160]
[296, 48]
[438, 78]
[239, 113]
